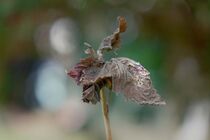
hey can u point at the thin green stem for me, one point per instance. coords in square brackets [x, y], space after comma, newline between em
[105, 111]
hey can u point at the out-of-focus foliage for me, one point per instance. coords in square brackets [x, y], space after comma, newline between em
[40, 39]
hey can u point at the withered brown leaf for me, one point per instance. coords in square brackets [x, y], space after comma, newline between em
[112, 41]
[121, 75]
[131, 79]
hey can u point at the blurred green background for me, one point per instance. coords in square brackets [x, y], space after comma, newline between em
[40, 39]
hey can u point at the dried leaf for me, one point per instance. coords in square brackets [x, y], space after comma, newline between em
[90, 94]
[131, 79]
[113, 41]
[84, 74]
[79, 68]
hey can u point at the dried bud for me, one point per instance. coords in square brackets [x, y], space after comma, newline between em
[121, 75]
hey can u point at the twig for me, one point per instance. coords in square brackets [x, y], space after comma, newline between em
[105, 110]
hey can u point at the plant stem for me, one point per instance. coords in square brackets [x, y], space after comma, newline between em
[105, 111]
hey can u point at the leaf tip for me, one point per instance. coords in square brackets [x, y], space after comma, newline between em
[122, 24]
